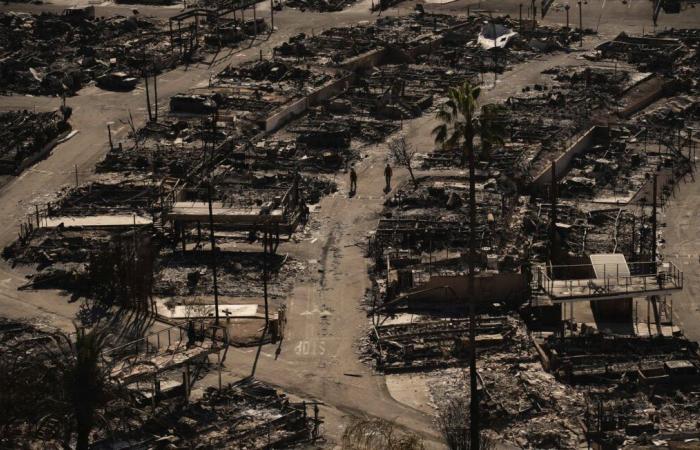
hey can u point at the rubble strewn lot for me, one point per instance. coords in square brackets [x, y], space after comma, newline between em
[27, 136]
[610, 388]
[247, 414]
[50, 54]
[56, 55]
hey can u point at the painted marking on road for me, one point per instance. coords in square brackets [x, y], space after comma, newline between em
[35, 170]
[310, 348]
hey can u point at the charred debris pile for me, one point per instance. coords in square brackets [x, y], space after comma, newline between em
[58, 54]
[145, 388]
[51, 54]
[588, 159]
[585, 161]
[28, 136]
[262, 143]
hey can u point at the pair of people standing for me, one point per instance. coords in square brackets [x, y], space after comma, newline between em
[388, 173]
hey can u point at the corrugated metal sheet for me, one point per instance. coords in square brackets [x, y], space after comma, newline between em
[609, 265]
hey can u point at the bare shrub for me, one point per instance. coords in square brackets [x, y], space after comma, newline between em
[365, 433]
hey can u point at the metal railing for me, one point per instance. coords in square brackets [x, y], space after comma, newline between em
[604, 280]
[170, 340]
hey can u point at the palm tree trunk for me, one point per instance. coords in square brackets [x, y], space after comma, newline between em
[83, 442]
[474, 401]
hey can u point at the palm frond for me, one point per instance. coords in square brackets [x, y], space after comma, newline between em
[440, 133]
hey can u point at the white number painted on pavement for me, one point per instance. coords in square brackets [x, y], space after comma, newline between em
[313, 348]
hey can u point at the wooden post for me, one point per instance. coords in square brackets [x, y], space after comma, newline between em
[218, 356]
[148, 95]
[186, 376]
[255, 22]
[653, 226]
[155, 391]
[179, 35]
[520, 20]
[155, 93]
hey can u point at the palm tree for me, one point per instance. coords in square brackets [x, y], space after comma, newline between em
[461, 124]
[84, 387]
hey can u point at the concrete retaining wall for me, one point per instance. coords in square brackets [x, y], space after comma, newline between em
[658, 89]
[366, 60]
[590, 138]
[295, 109]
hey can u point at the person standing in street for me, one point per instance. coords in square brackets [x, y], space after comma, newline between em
[353, 181]
[387, 176]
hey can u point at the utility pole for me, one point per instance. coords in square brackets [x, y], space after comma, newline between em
[553, 213]
[580, 22]
[654, 298]
[109, 133]
[653, 224]
[520, 18]
[155, 92]
[475, 430]
[255, 21]
[148, 95]
[495, 50]
[213, 252]
[266, 245]
[633, 250]
[567, 8]
[272, 16]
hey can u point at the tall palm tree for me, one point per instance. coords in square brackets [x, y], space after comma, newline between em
[83, 387]
[85, 381]
[461, 124]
